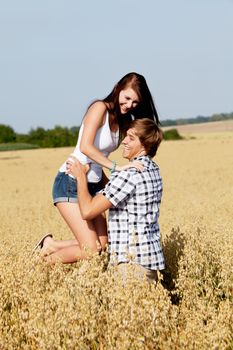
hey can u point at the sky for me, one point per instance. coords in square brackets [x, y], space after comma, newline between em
[57, 56]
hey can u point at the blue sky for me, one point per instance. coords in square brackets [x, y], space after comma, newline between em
[57, 56]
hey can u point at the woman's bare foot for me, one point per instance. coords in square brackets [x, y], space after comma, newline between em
[48, 246]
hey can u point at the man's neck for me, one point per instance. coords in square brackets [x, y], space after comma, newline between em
[142, 153]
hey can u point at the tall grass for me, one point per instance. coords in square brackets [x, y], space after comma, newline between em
[86, 305]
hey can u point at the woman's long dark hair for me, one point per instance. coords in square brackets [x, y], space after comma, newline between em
[145, 108]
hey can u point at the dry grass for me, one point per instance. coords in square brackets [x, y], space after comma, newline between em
[83, 306]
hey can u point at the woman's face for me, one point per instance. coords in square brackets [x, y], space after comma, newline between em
[128, 99]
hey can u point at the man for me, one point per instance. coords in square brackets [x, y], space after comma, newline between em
[133, 198]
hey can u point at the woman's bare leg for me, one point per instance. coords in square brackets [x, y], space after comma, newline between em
[67, 255]
[91, 235]
[83, 230]
[50, 245]
[101, 230]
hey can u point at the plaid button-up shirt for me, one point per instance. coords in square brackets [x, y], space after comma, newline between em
[133, 220]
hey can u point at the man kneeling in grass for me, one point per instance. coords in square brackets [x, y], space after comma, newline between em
[133, 198]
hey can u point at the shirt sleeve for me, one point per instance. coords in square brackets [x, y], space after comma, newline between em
[119, 187]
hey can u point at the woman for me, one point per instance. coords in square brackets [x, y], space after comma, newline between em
[100, 133]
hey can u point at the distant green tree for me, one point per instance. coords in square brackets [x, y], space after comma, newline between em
[22, 138]
[168, 122]
[7, 134]
[221, 116]
[74, 134]
[57, 137]
[172, 134]
[37, 136]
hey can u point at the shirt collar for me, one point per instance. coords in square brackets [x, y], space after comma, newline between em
[145, 157]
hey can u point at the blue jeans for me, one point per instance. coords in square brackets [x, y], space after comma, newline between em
[65, 188]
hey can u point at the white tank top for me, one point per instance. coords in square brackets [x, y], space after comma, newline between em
[105, 140]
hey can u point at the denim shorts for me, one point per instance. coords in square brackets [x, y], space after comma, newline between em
[65, 188]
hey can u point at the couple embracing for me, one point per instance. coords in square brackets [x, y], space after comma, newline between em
[132, 194]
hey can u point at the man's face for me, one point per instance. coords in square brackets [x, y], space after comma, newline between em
[132, 146]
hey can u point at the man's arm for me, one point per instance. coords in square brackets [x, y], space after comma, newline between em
[90, 207]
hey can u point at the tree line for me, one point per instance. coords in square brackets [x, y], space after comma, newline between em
[57, 137]
[63, 137]
[199, 119]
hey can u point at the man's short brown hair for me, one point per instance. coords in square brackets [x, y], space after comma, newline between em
[150, 135]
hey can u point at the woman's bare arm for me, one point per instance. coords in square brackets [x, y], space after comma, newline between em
[93, 120]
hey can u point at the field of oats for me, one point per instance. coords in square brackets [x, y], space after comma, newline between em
[84, 306]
